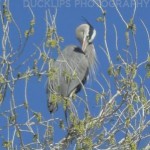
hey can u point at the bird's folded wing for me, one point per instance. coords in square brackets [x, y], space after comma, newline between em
[72, 66]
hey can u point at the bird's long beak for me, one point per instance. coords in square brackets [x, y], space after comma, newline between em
[84, 44]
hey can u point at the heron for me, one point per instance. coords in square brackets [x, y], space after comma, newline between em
[72, 67]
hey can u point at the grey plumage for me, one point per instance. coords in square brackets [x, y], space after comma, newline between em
[72, 66]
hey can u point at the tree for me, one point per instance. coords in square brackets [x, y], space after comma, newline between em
[120, 118]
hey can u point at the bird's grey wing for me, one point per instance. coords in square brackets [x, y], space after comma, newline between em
[79, 65]
[72, 68]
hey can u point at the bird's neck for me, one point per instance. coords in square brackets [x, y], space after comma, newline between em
[90, 53]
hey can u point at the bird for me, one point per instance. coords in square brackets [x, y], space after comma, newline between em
[72, 67]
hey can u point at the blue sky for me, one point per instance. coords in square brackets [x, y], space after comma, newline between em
[68, 18]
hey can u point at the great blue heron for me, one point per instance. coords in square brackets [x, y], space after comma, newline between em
[72, 66]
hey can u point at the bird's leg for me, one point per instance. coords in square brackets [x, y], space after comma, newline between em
[66, 105]
[73, 108]
[66, 109]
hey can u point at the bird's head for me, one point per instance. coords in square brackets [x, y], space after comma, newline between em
[85, 33]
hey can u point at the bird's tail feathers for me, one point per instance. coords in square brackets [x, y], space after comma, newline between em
[52, 107]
